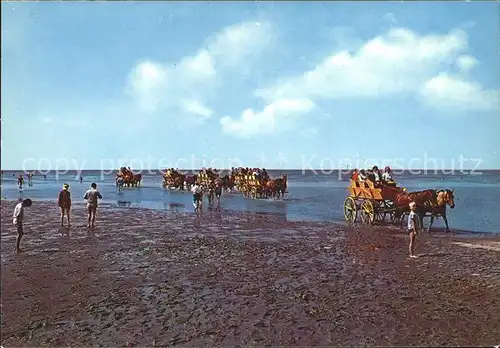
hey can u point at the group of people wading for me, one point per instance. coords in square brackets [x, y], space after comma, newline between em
[20, 180]
[64, 202]
[252, 182]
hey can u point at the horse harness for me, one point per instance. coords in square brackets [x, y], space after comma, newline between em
[430, 203]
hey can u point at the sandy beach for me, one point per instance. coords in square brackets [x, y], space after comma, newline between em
[153, 278]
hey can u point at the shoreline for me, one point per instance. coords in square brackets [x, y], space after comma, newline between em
[145, 276]
[436, 232]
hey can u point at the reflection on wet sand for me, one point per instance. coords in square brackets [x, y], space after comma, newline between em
[124, 203]
[175, 207]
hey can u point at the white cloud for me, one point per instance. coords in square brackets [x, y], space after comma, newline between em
[238, 42]
[272, 119]
[466, 63]
[156, 85]
[452, 92]
[396, 62]
[199, 67]
[401, 61]
[197, 108]
[148, 82]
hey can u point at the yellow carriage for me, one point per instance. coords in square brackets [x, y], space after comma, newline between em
[374, 203]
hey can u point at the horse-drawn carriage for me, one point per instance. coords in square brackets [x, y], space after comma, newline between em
[206, 178]
[126, 177]
[257, 187]
[173, 179]
[377, 202]
[373, 203]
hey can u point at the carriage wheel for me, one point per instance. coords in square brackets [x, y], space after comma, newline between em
[367, 212]
[350, 211]
[380, 211]
[392, 217]
[401, 219]
[380, 215]
[397, 220]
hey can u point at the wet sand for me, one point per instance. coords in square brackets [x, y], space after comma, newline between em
[145, 278]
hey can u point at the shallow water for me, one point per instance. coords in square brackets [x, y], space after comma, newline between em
[311, 197]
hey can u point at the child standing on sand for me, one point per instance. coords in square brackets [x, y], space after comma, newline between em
[92, 196]
[412, 229]
[64, 202]
[17, 220]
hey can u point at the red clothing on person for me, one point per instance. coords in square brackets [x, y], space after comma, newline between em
[64, 200]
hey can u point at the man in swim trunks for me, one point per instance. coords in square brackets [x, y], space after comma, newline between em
[197, 196]
[18, 219]
[218, 190]
[92, 197]
[64, 203]
[20, 181]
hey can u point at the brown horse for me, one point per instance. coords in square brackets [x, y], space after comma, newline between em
[428, 201]
[190, 180]
[228, 182]
[271, 188]
[283, 185]
[179, 181]
[438, 209]
[276, 188]
[136, 181]
[423, 199]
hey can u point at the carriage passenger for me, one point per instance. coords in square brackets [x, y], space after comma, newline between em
[387, 177]
[355, 175]
[362, 176]
[376, 174]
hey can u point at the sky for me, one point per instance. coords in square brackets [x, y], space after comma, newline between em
[90, 85]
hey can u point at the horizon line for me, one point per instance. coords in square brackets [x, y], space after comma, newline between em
[228, 169]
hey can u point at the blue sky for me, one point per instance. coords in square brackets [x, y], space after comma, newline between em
[279, 85]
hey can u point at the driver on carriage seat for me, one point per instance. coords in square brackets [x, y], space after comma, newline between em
[387, 177]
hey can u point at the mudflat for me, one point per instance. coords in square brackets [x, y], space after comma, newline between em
[153, 278]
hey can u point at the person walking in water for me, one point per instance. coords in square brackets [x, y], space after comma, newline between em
[92, 197]
[20, 181]
[18, 219]
[412, 229]
[64, 203]
[197, 197]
